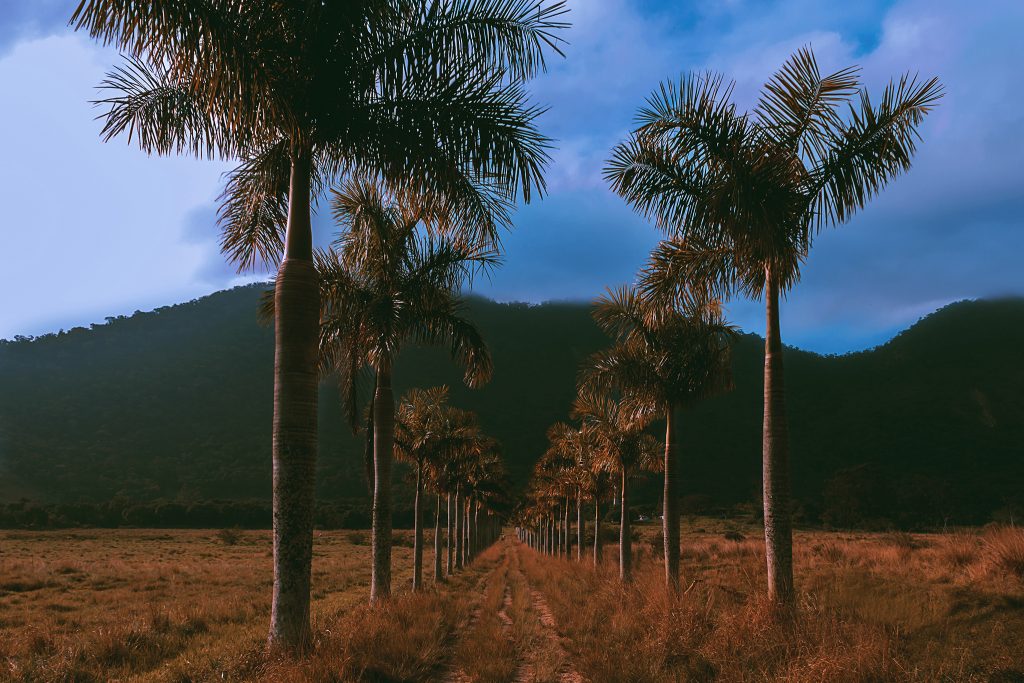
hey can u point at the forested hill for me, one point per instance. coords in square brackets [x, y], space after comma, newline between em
[175, 404]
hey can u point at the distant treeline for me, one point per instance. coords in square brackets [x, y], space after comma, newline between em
[861, 498]
[174, 405]
[207, 514]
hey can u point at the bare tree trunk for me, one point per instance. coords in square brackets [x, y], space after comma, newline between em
[670, 510]
[296, 336]
[778, 525]
[625, 540]
[437, 542]
[383, 446]
[597, 531]
[417, 524]
[448, 535]
[580, 526]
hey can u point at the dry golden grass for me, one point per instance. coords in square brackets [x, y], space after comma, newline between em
[872, 607]
[193, 606]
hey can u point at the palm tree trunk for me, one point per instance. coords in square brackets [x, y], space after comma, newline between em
[383, 446]
[568, 530]
[597, 531]
[296, 334]
[417, 524]
[448, 534]
[778, 525]
[670, 510]
[465, 530]
[458, 530]
[477, 546]
[437, 542]
[625, 540]
[580, 528]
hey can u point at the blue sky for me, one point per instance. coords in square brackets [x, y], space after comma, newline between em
[91, 229]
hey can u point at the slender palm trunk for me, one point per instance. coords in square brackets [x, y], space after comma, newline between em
[778, 524]
[383, 446]
[448, 535]
[466, 528]
[437, 542]
[417, 525]
[458, 529]
[670, 510]
[296, 333]
[567, 527]
[625, 540]
[477, 544]
[580, 526]
[597, 531]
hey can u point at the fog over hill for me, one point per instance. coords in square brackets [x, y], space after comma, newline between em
[175, 404]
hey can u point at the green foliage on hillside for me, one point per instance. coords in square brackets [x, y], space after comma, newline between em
[175, 405]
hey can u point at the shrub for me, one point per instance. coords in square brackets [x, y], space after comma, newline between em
[229, 536]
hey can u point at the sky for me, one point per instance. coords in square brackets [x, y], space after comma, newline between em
[92, 229]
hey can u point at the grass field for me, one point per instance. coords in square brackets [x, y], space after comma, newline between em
[193, 606]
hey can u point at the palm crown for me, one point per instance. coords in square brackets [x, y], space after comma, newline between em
[744, 194]
[427, 95]
[392, 281]
[664, 355]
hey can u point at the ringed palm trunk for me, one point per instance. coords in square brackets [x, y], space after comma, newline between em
[778, 525]
[383, 447]
[580, 526]
[417, 523]
[567, 527]
[477, 544]
[625, 540]
[670, 512]
[296, 323]
[448, 534]
[597, 531]
[458, 530]
[437, 541]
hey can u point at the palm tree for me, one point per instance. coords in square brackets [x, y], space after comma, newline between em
[667, 357]
[624, 450]
[428, 96]
[744, 194]
[392, 282]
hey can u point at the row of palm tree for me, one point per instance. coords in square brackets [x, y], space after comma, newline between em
[452, 457]
[741, 196]
[426, 98]
[665, 357]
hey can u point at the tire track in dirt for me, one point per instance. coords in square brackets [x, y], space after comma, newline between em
[454, 673]
[550, 637]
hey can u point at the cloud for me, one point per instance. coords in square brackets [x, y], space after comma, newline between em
[97, 228]
[101, 229]
[28, 19]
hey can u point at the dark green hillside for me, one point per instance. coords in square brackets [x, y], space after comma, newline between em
[175, 404]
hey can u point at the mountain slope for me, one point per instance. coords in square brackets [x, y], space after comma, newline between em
[176, 404]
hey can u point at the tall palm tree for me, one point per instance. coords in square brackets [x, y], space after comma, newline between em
[625, 449]
[667, 357]
[426, 94]
[743, 196]
[392, 282]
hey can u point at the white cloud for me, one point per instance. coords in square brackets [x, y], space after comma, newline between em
[89, 229]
